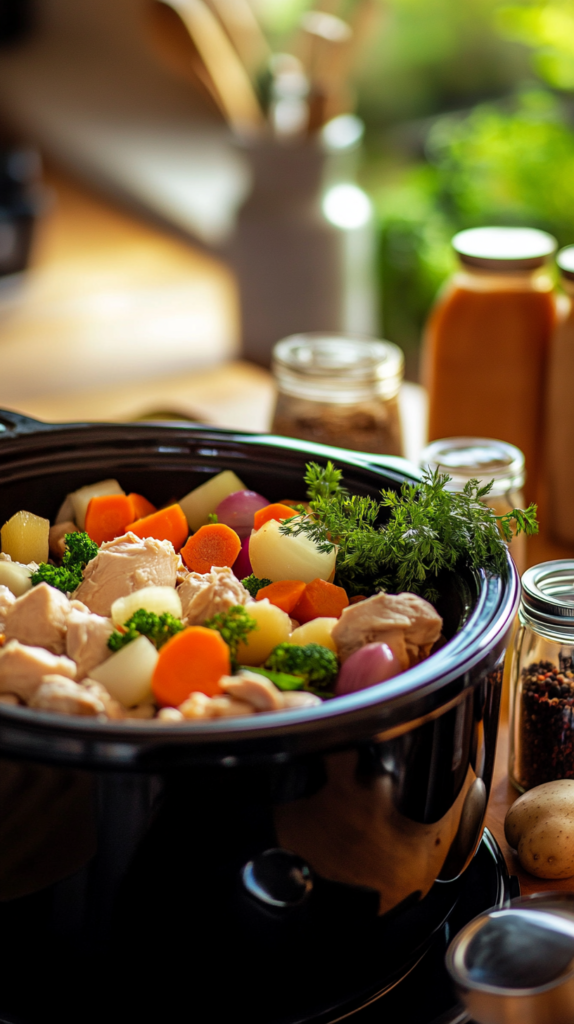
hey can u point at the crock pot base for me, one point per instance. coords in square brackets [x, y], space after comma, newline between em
[420, 992]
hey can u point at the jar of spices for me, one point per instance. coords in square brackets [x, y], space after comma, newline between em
[483, 459]
[339, 391]
[487, 341]
[560, 409]
[542, 678]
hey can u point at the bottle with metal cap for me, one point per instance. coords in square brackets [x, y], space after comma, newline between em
[486, 343]
[560, 409]
[484, 459]
[542, 678]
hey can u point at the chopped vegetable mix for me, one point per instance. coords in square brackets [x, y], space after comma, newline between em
[254, 585]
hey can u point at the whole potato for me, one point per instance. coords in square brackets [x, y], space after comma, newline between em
[540, 827]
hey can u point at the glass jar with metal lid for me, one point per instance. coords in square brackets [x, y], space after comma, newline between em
[341, 391]
[487, 341]
[542, 678]
[484, 459]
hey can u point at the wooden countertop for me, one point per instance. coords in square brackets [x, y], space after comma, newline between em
[116, 320]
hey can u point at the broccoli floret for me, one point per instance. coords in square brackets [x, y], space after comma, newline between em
[158, 628]
[282, 680]
[317, 666]
[234, 626]
[79, 551]
[253, 585]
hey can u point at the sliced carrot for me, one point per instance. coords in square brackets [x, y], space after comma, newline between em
[357, 599]
[276, 511]
[142, 507]
[284, 594]
[107, 517]
[167, 524]
[320, 600]
[192, 661]
[215, 544]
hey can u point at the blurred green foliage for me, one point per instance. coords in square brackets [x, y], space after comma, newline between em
[507, 163]
[549, 29]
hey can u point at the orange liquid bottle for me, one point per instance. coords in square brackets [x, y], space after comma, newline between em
[487, 342]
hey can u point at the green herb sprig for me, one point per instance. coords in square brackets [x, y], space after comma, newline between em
[428, 529]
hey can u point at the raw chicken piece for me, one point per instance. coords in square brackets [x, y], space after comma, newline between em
[22, 668]
[123, 565]
[406, 622]
[64, 697]
[255, 689]
[7, 600]
[205, 594]
[39, 619]
[56, 537]
[87, 638]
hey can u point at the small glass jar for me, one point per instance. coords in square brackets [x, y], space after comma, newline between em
[339, 391]
[542, 678]
[483, 459]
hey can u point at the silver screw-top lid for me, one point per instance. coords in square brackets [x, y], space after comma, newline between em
[517, 964]
[479, 458]
[504, 249]
[548, 594]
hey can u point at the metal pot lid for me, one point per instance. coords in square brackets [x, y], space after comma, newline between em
[518, 958]
[548, 593]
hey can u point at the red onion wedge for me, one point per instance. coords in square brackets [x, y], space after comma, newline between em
[237, 511]
[371, 664]
[242, 564]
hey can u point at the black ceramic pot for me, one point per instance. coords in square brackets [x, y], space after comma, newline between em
[278, 868]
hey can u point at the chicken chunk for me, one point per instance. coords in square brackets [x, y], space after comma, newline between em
[205, 594]
[56, 537]
[199, 706]
[255, 689]
[124, 565]
[87, 639]
[407, 623]
[112, 708]
[39, 619]
[7, 601]
[64, 697]
[22, 668]
[300, 699]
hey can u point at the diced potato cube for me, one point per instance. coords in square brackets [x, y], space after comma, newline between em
[25, 538]
[81, 498]
[276, 556]
[317, 631]
[204, 499]
[15, 577]
[273, 627]
[153, 599]
[127, 674]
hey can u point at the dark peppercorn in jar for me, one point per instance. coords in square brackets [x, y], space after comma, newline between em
[542, 678]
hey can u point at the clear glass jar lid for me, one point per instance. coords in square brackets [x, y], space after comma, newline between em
[548, 594]
[479, 458]
[337, 369]
[565, 261]
[504, 249]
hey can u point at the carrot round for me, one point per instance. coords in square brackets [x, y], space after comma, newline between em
[192, 661]
[167, 524]
[107, 517]
[215, 544]
[141, 506]
[276, 511]
[320, 600]
[284, 594]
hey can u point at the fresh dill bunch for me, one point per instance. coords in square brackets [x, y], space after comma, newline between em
[233, 626]
[158, 628]
[80, 550]
[253, 585]
[322, 481]
[428, 529]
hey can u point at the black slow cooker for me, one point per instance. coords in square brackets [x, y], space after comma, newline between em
[279, 868]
